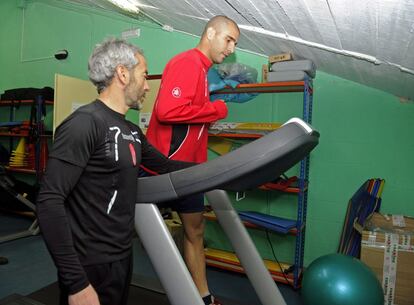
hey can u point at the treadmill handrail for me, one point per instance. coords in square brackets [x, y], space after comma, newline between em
[247, 167]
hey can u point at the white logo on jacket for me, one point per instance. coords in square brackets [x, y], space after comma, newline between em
[118, 131]
[176, 92]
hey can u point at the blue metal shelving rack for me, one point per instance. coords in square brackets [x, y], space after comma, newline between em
[303, 189]
[305, 87]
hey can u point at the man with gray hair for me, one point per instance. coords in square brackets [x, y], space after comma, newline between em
[86, 202]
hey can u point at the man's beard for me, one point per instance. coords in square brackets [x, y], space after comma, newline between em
[139, 104]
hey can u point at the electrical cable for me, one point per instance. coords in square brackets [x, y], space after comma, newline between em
[271, 245]
[275, 257]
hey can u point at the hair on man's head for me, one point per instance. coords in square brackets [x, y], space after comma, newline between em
[106, 57]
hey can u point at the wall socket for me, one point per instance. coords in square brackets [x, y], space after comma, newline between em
[131, 33]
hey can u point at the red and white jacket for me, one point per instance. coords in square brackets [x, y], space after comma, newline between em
[183, 111]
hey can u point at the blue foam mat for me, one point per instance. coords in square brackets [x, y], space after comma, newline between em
[274, 223]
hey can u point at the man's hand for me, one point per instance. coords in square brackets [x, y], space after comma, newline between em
[87, 296]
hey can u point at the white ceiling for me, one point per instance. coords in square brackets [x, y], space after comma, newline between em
[367, 41]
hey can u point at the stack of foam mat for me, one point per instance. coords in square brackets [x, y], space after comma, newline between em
[229, 261]
[292, 70]
[273, 223]
[365, 201]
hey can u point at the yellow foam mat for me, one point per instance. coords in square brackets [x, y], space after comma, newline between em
[220, 146]
[231, 258]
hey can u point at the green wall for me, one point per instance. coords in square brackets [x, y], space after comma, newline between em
[365, 133]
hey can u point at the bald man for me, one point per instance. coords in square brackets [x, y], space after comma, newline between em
[179, 125]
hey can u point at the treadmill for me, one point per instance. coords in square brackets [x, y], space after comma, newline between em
[248, 167]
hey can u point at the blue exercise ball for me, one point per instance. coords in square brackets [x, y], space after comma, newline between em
[337, 279]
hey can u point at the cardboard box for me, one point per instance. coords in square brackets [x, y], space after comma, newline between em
[280, 57]
[265, 71]
[387, 247]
